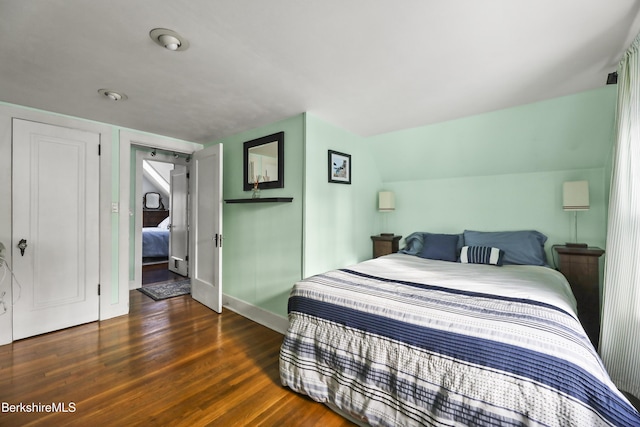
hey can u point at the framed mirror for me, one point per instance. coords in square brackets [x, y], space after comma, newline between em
[152, 200]
[264, 162]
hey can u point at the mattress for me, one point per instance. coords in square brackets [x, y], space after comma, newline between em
[402, 340]
[155, 242]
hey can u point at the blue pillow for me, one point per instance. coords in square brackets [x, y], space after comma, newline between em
[443, 247]
[520, 247]
[481, 255]
[414, 242]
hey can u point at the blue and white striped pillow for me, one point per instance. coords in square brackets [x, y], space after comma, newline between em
[481, 255]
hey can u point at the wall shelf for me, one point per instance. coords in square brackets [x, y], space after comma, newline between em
[262, 200]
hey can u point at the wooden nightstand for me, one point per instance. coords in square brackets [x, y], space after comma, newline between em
[582, 269]
[385, 244]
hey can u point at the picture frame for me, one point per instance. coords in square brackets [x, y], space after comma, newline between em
[339, 167]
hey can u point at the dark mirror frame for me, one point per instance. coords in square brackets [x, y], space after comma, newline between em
[276, 137]
[149, 206]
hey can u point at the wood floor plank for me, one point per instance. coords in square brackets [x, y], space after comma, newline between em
[171, 362]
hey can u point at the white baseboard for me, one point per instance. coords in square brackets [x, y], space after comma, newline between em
[257, 314]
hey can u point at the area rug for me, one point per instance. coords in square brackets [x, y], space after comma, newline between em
[166, 290]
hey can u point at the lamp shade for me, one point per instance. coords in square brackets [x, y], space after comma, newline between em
[386, 201]
[575, 196]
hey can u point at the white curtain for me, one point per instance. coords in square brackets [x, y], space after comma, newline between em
[620, 336]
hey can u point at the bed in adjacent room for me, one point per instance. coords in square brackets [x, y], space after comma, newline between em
[490, 337]
[155, 240]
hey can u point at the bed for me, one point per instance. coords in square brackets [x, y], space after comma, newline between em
[155, 240]
[411, 340]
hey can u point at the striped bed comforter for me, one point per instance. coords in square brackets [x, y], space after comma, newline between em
[402, 340]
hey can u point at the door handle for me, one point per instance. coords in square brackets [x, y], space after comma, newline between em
[22, 245]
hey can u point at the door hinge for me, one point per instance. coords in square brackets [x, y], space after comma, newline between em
[99, 149]
[186, 258]
[187, 175]
[98, 289]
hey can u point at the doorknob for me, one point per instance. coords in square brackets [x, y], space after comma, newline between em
[22, 245]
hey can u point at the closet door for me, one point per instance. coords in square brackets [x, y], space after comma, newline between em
[55, 227]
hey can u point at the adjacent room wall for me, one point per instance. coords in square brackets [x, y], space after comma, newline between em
[503, 170]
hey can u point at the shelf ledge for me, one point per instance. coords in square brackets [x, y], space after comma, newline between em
[262, 200]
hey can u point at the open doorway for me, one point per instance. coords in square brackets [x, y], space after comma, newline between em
[161, 217]
[156, 223]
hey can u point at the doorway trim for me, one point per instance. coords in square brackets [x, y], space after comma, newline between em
[127, 140]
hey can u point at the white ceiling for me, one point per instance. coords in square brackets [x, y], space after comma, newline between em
[368, 66]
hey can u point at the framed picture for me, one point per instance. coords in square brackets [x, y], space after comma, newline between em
[339, 167]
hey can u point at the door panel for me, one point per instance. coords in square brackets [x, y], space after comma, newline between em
[56, 211]
[206, 227]
[179, 236]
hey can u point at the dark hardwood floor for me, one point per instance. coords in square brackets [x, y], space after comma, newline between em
[154, 273]
[171, 362]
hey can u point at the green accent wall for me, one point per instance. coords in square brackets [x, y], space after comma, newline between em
[338, 218]
[262, 250]
[497, 171]
[270, 246]
[503, 170]
[567, 133]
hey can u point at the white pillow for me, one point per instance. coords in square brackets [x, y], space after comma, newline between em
[165, 223]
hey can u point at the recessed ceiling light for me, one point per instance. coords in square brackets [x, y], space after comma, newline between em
[113, 95]
[169, 39]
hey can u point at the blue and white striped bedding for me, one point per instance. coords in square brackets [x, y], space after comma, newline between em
[402, 340]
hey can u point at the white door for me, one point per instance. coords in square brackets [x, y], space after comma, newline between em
[56, 216]
[206, 227]
[179, 235]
